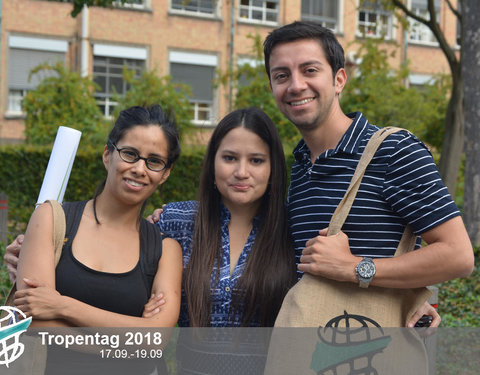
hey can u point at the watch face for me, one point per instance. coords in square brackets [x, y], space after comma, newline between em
[366, 269]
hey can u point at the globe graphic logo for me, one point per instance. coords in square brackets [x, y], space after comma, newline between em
[350, 341]
[13, 323]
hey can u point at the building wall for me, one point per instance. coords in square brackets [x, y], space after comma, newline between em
[161, 31]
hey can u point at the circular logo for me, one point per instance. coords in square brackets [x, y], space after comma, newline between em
[349, 342]
[13, 323]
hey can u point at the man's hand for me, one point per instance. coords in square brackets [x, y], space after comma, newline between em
[330, 257]
[425, 309]
[155, 217]
[11, 257]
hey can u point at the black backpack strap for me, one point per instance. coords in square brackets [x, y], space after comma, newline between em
[73, 215]
[150, 250]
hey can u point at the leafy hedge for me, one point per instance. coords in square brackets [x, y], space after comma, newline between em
[23, 168]
[459, 299]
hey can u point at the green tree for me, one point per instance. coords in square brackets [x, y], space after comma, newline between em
[454, 122]
[471, 75]
[63, 98]
[380, 93]
[149, 89]
[252, 89]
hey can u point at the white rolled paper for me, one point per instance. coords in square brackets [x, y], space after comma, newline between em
[59, 165]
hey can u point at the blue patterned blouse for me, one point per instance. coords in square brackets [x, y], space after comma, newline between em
[177, 222]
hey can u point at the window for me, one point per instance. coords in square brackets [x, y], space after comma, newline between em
[324, 12]
[251, 65]
[419, 32]
[108, 64]
[200, 7]
[25, 53]
[374, 21]
[197, 71]
[260, 11]
[419, 80]
[135, 4]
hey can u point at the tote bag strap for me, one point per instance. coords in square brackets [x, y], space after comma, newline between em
[59, 227]
[343, 208]
[407, 242]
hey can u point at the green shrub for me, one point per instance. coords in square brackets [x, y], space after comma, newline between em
[5, 284]
[459, 299]
[379, 92]
[62, 98]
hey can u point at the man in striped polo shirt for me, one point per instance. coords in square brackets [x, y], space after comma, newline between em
[305, 65]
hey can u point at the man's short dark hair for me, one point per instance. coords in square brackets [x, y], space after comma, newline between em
[306, 30]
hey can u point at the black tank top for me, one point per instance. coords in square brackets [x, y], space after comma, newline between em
[123, 293]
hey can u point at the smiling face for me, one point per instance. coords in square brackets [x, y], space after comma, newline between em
[303, 85]
[242, 169]
[133, 183]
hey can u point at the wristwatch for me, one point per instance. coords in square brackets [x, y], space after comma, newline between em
[365, 271]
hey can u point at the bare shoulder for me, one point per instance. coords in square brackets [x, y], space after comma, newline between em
[41, 219]
[171, 247]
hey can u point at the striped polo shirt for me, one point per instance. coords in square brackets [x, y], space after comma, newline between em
[401, 186]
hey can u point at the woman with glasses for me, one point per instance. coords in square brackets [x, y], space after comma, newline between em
[112, 259]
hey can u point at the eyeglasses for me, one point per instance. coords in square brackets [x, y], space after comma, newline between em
[131, 156]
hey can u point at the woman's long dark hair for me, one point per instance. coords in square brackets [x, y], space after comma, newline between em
[142, 116]
[270, 268]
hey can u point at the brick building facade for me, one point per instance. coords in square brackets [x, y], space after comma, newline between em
[188, 39]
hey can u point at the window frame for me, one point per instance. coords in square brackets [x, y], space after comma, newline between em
[132, 58]
[197, 13]
[198, 105]
[146, 4]
[418, 29]
[374, 8]
[264, 10]
[421, 81]
[31, 44]
[14, 104]
[323, 20]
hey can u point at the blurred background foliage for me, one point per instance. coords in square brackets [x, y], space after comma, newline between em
[380, 92]
[150, 89]
[65, 98]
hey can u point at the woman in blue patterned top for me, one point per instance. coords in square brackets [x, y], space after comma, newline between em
[237, 252]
